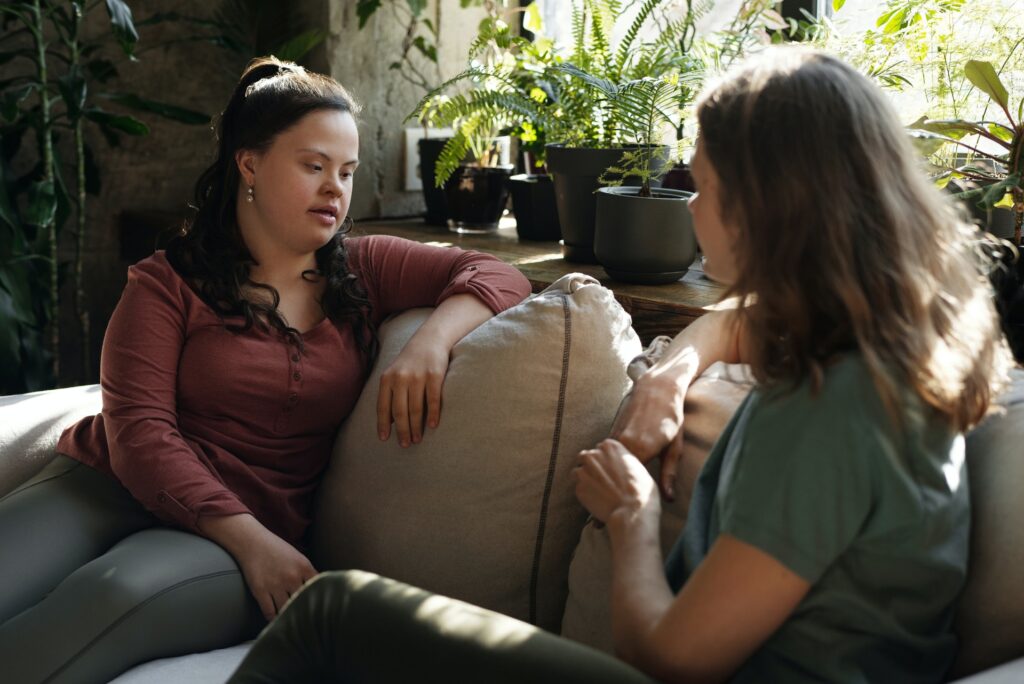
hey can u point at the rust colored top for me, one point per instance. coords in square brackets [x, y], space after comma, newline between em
[198, 420]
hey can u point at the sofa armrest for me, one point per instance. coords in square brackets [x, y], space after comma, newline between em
[30, 425]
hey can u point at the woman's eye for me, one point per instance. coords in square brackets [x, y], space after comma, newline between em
[315, 167]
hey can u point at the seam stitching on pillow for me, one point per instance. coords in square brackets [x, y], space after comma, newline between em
[552, 461]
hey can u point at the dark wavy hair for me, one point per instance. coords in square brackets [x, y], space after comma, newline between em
[209, 252]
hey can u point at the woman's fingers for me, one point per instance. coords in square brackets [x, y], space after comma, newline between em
[266, 604]
[417, 408]
[384, 409]
[435, 381]
[400, 413]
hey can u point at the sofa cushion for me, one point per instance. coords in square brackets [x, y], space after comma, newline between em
[483, 509]
[990, 614]
[30, 425]
[211, 667]
[710, 402]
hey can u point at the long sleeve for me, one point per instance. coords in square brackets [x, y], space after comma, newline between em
[139, 378]
[402, 274]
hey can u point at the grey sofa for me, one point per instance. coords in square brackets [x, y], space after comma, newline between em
[991, 614]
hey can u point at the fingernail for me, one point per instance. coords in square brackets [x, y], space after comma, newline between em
[433, 423]
[416, 440]
[383, 436]
[405, 443]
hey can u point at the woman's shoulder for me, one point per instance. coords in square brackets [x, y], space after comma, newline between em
[155, 277]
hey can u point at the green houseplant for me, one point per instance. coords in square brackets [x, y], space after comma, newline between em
[503, 92]
[52, 89]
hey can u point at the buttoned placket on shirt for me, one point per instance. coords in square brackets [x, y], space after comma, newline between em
[294, 386]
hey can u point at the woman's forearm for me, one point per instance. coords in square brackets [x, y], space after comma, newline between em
[640, 593]
[453, 319]
[712, 337]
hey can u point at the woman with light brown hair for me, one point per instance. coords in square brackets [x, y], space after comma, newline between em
[827, 534]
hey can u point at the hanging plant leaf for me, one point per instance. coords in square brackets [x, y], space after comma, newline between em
[994, 193]
[298, 47]
[42, 204]
[11, 100]
[983, 75]
[14, 280]
[180, 114]
[365, 9]
[122, 25]
[73, 90]
[123, 123]
[9, 339]
[7, 212]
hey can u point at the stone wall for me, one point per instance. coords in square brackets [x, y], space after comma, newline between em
[360, 60]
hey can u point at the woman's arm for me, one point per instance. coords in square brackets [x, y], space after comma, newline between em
[651, 421]
[737, 597]
[417, 375]
[466, 288]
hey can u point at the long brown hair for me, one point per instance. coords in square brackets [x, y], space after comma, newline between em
[270, 97]
[844, 244]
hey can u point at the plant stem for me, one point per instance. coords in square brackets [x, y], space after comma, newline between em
[50, 228]
[80, 309]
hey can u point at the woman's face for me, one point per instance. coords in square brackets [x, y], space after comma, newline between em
[302, 184]
[715, 237]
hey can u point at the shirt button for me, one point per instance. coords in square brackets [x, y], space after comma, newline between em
[296, 375]
[471, 268]
[161, 497]
[295, 358]
[293, 398]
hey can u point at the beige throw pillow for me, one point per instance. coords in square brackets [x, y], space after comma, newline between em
[710, 402]
[484, 509]
[990, 613]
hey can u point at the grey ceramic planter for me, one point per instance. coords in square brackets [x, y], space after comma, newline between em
[575, 172]
[647, 240]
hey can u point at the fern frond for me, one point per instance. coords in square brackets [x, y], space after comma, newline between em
[452, 154]
[428, 99]
[626, 46]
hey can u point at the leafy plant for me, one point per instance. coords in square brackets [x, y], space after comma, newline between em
[1002, 179]
[509, 94]
[52, 90]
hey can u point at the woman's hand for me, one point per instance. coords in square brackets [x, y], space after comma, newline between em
[611, 481]
[273, 569]
[651, 424]
[410, 390]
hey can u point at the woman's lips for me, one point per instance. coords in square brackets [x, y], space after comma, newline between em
[325, 217]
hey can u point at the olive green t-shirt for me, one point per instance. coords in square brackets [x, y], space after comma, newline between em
[876, 518]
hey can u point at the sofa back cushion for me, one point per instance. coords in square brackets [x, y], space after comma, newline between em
[990, 614]
[484, 509]
[710, 402]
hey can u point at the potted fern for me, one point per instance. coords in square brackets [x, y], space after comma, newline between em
[501, 93]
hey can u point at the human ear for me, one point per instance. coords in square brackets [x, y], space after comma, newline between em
[247, 162]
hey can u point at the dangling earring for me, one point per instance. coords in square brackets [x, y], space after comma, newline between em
[249, 197]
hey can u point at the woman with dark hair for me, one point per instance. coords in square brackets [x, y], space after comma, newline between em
[827, 533]
[174, 520]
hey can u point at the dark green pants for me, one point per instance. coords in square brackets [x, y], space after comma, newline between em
[91, 584]
[358, 627]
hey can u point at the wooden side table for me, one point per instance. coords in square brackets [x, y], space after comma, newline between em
[656, 309]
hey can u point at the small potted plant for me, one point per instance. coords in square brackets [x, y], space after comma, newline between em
[643, 234]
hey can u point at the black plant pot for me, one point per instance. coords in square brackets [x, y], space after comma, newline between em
[533, 203]
[647, 240]
[575, 172]
[437, 207]
[679, 178]
[476, 197]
